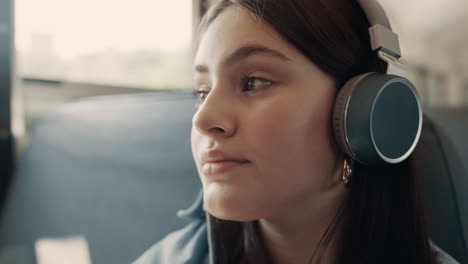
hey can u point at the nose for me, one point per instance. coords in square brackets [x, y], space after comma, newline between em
[215, 116]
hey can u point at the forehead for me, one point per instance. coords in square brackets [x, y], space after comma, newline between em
[237, 27]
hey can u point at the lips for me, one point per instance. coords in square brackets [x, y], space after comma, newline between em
[217, 162]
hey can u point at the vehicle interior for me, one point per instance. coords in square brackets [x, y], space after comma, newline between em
[99, 176]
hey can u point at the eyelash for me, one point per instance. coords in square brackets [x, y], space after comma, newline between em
[245, 82]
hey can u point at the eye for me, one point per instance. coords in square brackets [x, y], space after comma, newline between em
[252, 83]
[200, 95]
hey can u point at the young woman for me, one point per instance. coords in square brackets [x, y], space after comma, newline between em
[276, 187]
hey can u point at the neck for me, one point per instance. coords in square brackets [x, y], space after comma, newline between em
[293, 234]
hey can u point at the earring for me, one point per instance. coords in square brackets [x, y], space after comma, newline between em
[348, 166]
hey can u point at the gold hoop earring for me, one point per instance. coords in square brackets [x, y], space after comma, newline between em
[348, 166]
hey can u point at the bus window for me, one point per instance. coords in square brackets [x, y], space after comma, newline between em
[68, 50]
[465, 91]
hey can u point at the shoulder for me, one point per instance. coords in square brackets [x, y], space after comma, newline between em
[188, 245]
[442, 256]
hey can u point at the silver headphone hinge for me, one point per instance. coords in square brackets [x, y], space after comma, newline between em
[385, 39]
[394, 65]
[386, 43]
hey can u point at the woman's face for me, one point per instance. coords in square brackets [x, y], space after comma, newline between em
[268, 105]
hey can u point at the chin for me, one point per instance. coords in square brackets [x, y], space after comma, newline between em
[230, 206]
[232, 217]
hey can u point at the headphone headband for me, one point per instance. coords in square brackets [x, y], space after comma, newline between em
[383, 39]
[375, 13]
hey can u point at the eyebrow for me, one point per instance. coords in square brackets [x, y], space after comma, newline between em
[244, 52]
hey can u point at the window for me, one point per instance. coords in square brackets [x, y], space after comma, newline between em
[435, 89]
[70, 49]
[139, 43]
[465, 91]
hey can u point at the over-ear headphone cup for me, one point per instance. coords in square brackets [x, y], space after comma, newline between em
[339, 113]
[377, 118]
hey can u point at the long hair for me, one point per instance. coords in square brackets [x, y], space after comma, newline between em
[383, 218]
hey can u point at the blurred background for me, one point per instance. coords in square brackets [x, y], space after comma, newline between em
[72, 49]
[78, 179]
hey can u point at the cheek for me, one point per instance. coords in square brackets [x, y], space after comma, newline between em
[292, 142]
[278, 129]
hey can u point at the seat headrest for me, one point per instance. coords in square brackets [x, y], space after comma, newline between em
[437, 159]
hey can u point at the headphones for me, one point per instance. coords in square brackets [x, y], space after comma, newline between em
[377, 118]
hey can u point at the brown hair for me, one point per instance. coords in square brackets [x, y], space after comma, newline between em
[384, 219]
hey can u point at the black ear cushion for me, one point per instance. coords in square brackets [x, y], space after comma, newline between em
[339, 113]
